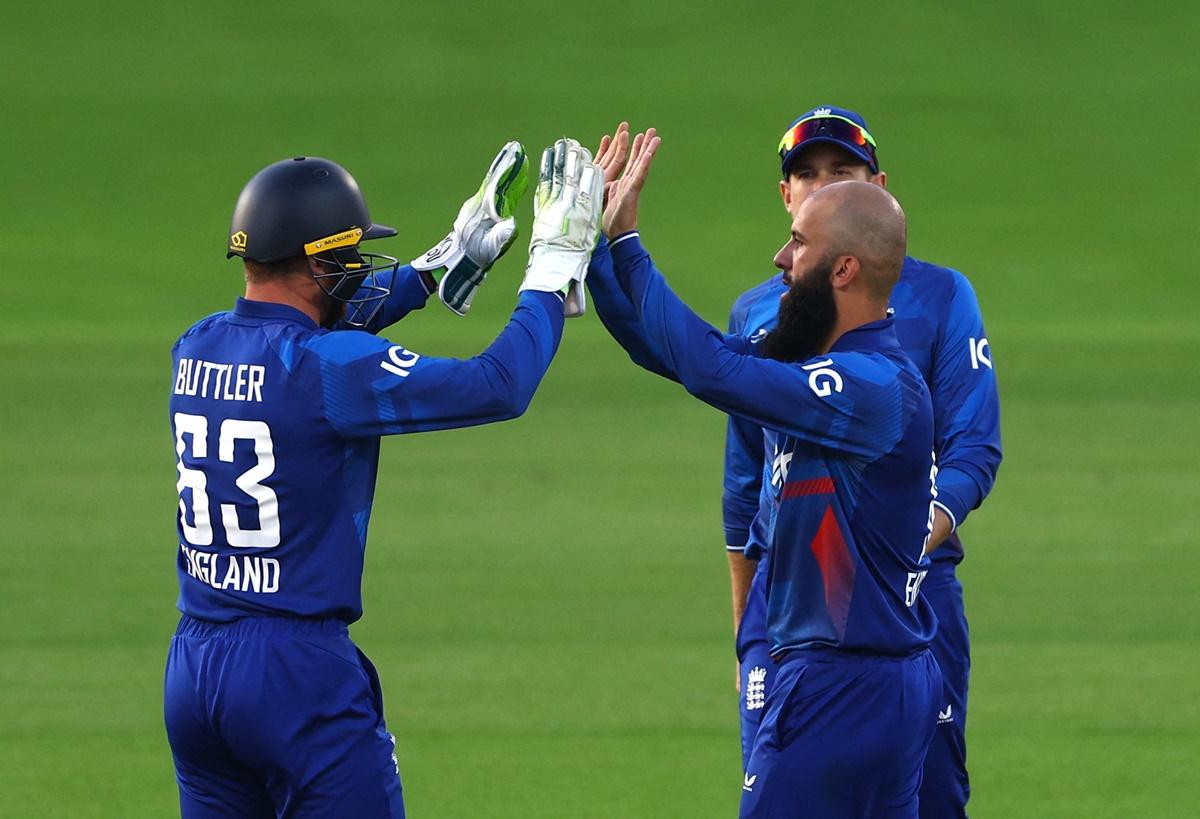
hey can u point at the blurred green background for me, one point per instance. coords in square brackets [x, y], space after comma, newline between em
[564, 650]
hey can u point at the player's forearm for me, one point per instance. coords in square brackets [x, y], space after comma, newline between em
[963, 484]
[612, 303]
[514, 364]
[737, 512]
[942, 527]
[686, 344]
[722, 371]
[741, 573]
[617, 313]
[966, 407]
[742, 479]
[410, 291]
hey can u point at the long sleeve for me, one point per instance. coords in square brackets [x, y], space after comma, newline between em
[371, 386]
[849, 402]
[743, 477]
[409, 293]
[617, 313]
[966, 407]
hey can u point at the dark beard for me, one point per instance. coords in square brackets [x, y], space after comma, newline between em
[807, 314]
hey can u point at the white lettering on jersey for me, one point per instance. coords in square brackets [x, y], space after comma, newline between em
[250, 482]
[240, 573]
[200, 531]
[980, 354]
[222, 382]
[267, 535]
[821, 379]
[913, 587]
[402, 361]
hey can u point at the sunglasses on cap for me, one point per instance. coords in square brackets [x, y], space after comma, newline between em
[833, 128]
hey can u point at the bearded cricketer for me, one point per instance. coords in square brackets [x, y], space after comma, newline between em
[852, 711]
[939, 325]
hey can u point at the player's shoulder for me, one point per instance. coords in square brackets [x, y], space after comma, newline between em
[871, 354]
[885, 377]
[333, 347]
[202, 326]
[878, 366]
[927, 276]
[744, 303]
[879, 386]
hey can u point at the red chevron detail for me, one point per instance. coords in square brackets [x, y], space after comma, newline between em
[837, 569]
[812, 486]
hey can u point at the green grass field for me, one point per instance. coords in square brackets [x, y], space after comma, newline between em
[564, 650]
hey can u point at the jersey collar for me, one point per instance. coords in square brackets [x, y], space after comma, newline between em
[256, 312]
[874, 335]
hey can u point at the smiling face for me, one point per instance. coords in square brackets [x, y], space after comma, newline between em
[823, 164]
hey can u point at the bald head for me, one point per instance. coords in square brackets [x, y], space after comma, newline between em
[862, 220]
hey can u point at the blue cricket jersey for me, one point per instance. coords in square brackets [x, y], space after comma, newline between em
[854, 431]
[277, 423]
[939, 325]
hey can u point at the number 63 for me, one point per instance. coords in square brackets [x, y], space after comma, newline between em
[232, 429]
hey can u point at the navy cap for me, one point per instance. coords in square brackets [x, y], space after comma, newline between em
[837, 126]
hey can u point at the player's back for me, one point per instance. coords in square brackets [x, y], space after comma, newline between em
[274, 501]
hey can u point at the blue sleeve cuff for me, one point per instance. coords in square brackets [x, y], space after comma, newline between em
[957, 495]
[754, 551]
[735, 538]
[600, 255]
[627, 246]
[419, 284]
[549, 301]
[428, 283]
[949, 513]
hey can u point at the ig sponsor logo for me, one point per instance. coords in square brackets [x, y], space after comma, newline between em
[401, 362]
[823, 380]
[980, 354]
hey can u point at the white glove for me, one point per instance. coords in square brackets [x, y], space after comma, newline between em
[483, 231]
[566, 223]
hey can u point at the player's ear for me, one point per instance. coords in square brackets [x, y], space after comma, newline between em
[315, 266]
[786, 192]
[880, 179]
[845, 271]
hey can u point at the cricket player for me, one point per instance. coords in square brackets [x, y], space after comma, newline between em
[277, 410]
[939, 325]
[849, 719]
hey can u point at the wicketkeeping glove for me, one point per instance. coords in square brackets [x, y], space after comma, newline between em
[566, 223]
[483, 231]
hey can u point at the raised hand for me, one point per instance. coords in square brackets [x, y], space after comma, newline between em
[566, 223]
[612, 154]
[482, 233]
[621, 198]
